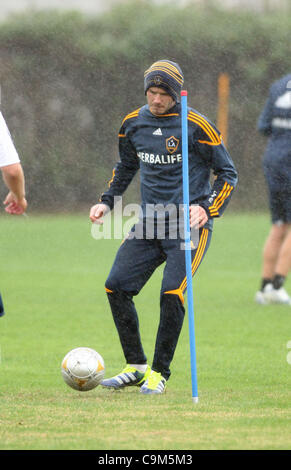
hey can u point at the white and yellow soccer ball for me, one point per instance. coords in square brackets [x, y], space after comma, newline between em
[83, 369]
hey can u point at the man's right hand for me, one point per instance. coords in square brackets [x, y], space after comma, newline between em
[97, 212]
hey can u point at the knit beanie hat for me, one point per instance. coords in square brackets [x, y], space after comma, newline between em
[167, 75]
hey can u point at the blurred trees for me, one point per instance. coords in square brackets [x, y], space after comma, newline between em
[68, 80]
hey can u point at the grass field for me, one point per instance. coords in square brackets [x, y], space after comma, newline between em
[52, 283]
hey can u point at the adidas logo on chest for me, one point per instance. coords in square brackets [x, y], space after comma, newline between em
[158, 131]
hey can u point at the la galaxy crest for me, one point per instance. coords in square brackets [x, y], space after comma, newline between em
[172, 144]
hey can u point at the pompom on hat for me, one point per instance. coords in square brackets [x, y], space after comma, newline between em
[167, 75]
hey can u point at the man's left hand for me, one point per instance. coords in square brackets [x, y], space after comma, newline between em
[198, 216]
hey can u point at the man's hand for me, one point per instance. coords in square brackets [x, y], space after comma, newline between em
[97, 212]
[198, 216]
[13, 205]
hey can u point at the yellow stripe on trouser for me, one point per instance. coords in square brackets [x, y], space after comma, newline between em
[195, 263]
[168, 72]
[225, 196]
[219, 200]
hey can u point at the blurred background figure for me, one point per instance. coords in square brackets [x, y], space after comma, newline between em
[275, 122]
[13, 177]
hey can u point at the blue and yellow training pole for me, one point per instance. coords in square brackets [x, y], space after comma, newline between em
[188, 258]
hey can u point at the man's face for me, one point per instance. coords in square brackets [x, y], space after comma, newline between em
[159, 100]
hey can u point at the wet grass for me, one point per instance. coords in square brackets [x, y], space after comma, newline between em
[52, 282]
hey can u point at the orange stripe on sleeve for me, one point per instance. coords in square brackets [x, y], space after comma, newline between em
[131, 115]
[198, 259]
[230, 188]
[177, 292]
[217, 199]
[111, 181]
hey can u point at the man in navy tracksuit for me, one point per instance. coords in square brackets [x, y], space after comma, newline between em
[150, 141]
[275, 122]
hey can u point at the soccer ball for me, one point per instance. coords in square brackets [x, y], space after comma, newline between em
[83, 369]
